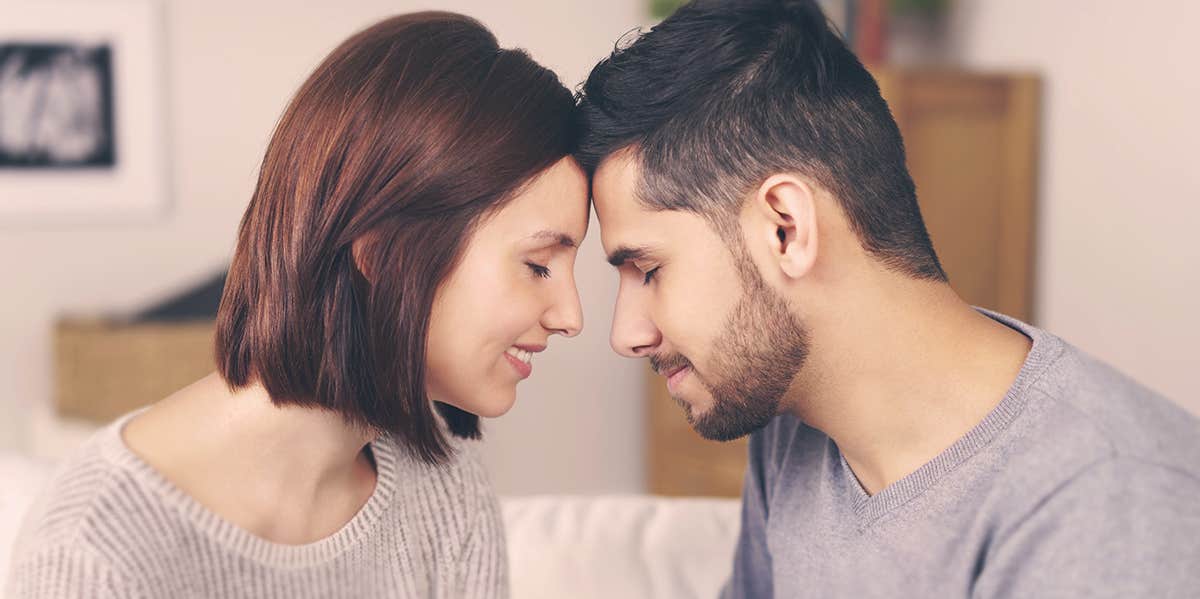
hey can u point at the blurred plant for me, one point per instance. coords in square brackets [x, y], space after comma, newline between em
[661, 9]
[919, 7]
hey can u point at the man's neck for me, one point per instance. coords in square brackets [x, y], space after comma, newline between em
[898, 382]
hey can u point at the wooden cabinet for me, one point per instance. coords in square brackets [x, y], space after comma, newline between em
[104, 368]
[972, 149]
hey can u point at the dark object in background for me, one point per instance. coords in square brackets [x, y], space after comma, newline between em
[105, 367]
[199, 302]
[56, 106]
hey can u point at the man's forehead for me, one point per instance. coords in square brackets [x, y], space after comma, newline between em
[627, 223]
[615, 180]
[615, 196]
[636, 232]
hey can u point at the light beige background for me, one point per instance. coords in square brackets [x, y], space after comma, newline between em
[1119, 264]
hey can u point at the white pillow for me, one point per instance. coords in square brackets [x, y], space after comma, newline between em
[619, 546]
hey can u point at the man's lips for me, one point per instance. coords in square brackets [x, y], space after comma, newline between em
[674, 367]
[672, 372]
[675, 377]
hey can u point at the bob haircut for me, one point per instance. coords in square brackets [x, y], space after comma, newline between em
[403, 139]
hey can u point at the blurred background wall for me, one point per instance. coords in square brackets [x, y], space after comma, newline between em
[1118, 262]
[1117, 272]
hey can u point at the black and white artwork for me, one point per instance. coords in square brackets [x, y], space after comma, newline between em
[82, 132]
[56, 105]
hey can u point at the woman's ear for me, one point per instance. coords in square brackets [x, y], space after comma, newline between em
[786, 220]
[360, 252]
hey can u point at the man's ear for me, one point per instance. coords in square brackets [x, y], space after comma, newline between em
[786, 220]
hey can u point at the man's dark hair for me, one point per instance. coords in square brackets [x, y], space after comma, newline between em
[725, 93]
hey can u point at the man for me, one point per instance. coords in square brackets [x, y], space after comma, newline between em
[752, 192]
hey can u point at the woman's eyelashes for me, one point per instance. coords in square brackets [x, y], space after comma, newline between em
[650, 275]
[538, 270]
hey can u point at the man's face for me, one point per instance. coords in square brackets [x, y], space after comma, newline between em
[697, 308]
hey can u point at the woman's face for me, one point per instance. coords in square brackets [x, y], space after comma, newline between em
[513, 289]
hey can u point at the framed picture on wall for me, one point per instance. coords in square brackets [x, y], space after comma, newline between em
[81, 112]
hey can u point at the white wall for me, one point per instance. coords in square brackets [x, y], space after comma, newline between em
[1118, 251]
[231, 67]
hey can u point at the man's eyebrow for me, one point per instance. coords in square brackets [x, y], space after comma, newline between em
[563, 239]
[626, 253]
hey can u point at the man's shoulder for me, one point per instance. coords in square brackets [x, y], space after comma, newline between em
[1086, 432]
[1110, 416]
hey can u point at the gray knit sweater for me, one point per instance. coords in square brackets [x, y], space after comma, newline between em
[111, 526]
[1080, 484]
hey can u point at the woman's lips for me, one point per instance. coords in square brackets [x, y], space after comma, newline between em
[521, 357]
[522, 368]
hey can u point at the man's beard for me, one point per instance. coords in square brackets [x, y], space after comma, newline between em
[752, 363]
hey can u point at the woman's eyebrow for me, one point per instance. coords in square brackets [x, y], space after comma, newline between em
[559, 237]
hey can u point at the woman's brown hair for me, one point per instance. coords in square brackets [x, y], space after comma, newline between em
[389, 155]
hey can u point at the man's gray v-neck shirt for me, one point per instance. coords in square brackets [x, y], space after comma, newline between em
[1080, 483]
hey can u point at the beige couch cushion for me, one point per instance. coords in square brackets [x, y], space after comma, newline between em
[619, 546]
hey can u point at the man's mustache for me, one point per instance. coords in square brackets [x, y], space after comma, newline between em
[664, 365]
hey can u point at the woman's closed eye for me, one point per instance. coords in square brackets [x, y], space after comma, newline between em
[539, 270]
[650, 275]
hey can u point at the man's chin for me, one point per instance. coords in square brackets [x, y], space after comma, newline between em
[720, 433]
[715, 424]
[716, 429]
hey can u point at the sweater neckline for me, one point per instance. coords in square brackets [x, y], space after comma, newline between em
[1045, 349]
[241, 541]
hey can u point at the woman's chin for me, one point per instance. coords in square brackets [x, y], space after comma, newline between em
[492, 413]
[489, 407]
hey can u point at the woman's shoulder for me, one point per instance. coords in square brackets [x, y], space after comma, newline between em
[81, 497]
[73, 512]
[73, 541]
[452, 507]
[457, 488]
[462, 469]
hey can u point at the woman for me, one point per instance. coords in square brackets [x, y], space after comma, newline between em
[410, 244]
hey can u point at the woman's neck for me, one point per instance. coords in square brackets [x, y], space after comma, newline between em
[289, 474]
